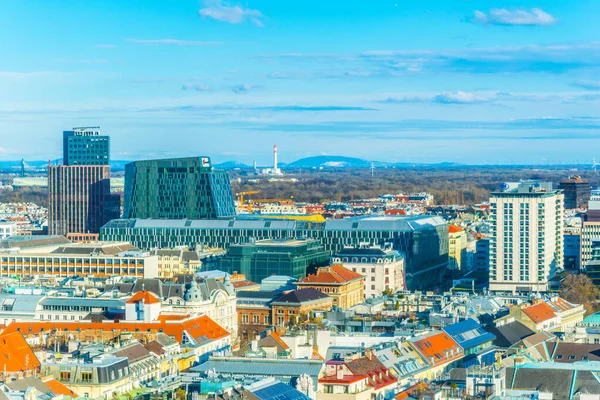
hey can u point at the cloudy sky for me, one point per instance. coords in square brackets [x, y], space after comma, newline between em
[471, 81]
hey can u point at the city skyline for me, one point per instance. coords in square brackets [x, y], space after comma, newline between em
[468, 82]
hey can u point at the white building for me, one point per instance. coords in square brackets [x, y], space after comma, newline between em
[7, 229]
[527, 236]
[383, 268]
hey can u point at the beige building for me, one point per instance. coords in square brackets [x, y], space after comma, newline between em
[345, 287]
[527, 236]
[178, 261]
[457, 247]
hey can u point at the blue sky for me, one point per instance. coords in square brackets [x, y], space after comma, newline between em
[469, 81]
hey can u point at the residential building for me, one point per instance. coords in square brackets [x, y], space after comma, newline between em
[552, 315]
[17, 358]
[403, 361]
[382, 267]
[509, 334]
[588, 330]
[254, 312]
[590, 231]
[576, 190]
[177, 188]
[289, 257]
[477, 344]
[99, 259]
[572, 251]
[356, 377]
[86, 146]
[457, 247]
[422, 239]
[527, 239]
[296, 306]
[440, 351]
[177, 261]
[345, 287]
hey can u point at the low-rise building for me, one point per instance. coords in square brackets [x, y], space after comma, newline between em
[296, 306]
[345, 287]
[383, 268]
[457, 247]
[440, 350]
[176, 261]
[477, 344]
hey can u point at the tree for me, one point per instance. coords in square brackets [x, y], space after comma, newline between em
[580, 289]
[397, 305]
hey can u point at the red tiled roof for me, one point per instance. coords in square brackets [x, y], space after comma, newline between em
[439, 348]
[334, 274]
[395, 212]
[58, 388]
[172, 317]
[196, 327]
[145, 296]
[540, 312]
[15, 353]
[346, 380]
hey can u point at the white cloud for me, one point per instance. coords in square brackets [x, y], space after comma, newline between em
[105, 46]
[519, 17]
[243, 88]
[587, 85]
[459, 98]
[221, 11]
[195, 87]
[173, 42]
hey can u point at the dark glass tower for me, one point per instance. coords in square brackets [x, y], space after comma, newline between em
[86, 146]
[176, 189]
[577, 192]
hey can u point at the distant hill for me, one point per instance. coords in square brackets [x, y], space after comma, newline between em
[115, 165]
[330, 162]
[231, 165]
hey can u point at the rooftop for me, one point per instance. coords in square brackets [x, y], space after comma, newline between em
[336, 274]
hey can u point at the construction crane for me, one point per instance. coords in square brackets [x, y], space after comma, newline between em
[241, 195]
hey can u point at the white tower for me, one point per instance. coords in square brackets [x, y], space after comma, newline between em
[275, 159]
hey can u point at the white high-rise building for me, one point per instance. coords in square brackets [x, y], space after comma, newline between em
[527, 236]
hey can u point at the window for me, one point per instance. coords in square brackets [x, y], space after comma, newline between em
[86, 377]
[65, 376]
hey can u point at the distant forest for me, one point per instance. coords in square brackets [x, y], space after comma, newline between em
[449, 185]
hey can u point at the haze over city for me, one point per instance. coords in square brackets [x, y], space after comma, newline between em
[400, 81]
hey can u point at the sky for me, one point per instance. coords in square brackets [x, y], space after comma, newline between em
[467, 81]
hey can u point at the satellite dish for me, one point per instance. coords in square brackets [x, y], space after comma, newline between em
[504, 186]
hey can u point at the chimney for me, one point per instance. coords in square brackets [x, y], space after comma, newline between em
[339, 371]
[369, 354]
[275, 157]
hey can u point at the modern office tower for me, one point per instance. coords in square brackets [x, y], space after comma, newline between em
[79, 199]
[482, 255]
[576, 191]
[572, 253]
[86, 146]
[177, 188]
[423, 240]
[527, 236]
[592, 268]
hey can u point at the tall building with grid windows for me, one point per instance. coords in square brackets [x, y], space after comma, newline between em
[86, 146]
[526, 245]
[177, 188]
[79, 198]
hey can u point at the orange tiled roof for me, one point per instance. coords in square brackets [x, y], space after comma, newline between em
[334, 274]
[58, 388]
[278, 339]
[145, 296]
[439, 348]
[540, 312]
[15, 353]
[454, 229]
[408, 392]
[172, 317]
[197, 327]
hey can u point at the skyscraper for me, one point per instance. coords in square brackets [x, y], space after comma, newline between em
[177, 188]
[79, 198]
[527, 236]
[577, 191]
[86, 146]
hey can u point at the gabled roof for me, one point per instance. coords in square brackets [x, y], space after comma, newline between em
[15, 354]
[273, 340]
[336, 274]
[302, 296]
[143, 297]
[540, 312]
[468, 333]
[439, 348]
[134, 353]
[509, 334]
[58, 388]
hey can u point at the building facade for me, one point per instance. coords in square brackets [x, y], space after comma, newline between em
[457, 247]
[79, 199]
[295, 258]
[345, 287]
[590, 231]
[423, 240]
[576, 190]
[179, 261]
[86, 146]
[383, 268]
[177, 188]
[527, 236]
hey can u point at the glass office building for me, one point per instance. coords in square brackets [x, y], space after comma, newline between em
[85, 146]
[286, 257]
[177, 188]
[422, 239]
